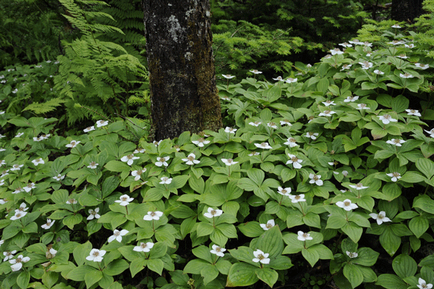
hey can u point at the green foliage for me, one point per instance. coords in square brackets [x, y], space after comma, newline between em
[327, 173]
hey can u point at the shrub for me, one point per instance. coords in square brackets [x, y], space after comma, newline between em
[331, 168]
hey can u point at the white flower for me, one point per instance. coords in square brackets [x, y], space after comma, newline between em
[291, 142]
[2, 182]
[136, 174]
[19, 134]
[17, 190]
[213, 213]
[117, 235]
[217, 250]
[312, 135]
[351, 98]
[395, 176]
[88, 129]
[315, 179]
[139, 151]
[279, 78]
[414, 112]
[15, 90]
[38, 138]
[166, 181]
[346, 66]
[347, 205]
[50, 254]
[225, 98]
[395, 26]
[406, 75]
[2, 242]
[22, 208]
[59, 177]
[92, 165]
[254, 71]
[162, 161]
[270, 224]
[366, 64]
[191, 159]
[358, 186]
[336, 51]
[380, 217]
[396, 42]
[256, 123]
[230, 130]
[129, 159]
[17, 263]
[297, 198]
[296, 162]
[402, 56]
[423, 284]
[9, 255]
[153, 215]
[366, 43]
[101, 123]
[18, 215]
[362, 106]
[291, 80]
[71, 201]
[263, 145]
[2, 162]
[124, 200]
[2, 201]
[284, 191]
[345, 173]
[410, 45]
[229, 162]
[257, 153]
[387, 119]
[93, 214]
[228, 76]
[430, 132]
[355, 41]
[48, 225]
[272, 125]
[72, 144]
[2, 149]
[376, 71]
[96, 255]
[144, 247]
[303, 236]
[329, 102]
[421, 66]
[261, 257]
[38, 161]
[352, 254]
[285, 121]
[395, 142]
[157, 143]
[29, 187]
[201, 142]
[327, 113]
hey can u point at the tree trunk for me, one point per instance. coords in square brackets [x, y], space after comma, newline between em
[182, 77]
[406, 10]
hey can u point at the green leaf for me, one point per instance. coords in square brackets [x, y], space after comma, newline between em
[267, 275]
[418, 225]
[137, 265]
[117, 166]
[400, 103]
[92, 276]
[390, 241]
[156, 265]
[412, 177]
[336, 222]
[195, 266]
[390, 281]
[50, 278]
[425, 203]
[241, 274]
[311, 255]
[367, 257]
[404, 266]
[353, 231]
[426, 166]
[23, 279]
[353, 274]
[204, 229]
[116, 267]
[78, 273]
[251, 229]
[203, 253]
[271, 242]
[256, 175]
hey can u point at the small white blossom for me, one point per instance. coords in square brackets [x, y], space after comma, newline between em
[352, 255]
[285, 121]
[144, 247]
[96, 255]
[327, 113]
[303, 236]
[402, 56]
[229, 162]
[272, 125]
[19, 134]
[430, 132]
[279, 78]
[18, 190]
[213, 213]
[315, 179]
[296, 162]
[153, 215]
[406, 75]
[284, 191]
[29, 187]
[358, 186]
[380, 217]
[72, 144]
[93, 214]
[421, 66]
[50, 254]
[395, 176]
[129, 159]
[166, 181]
[162, 161]
[423, 284]
[351, 98]
[297, 198]
[264, 145]
[411, 45]
[395, 26]
[254, 71]
[139, 151]
[336, 51]
[257, 153]
[387, 119]
[329, 102]
[261, 257]
[9, 255]
[17, 263]
[396, 142]
[362, 106]
[48, 225]
[291, 142]
[124, 200]
[227, 76]
[59, 177]
[137, 174]
[18, 215]
[396, 42]
[101, 123]
[345, 44]
[270, 224]
[291, 80]
[312, 135]
[117, 235]
[376, 71]
[36, 162]
[366, 64]
[414, 112]
[230, 130]
[191, 159]
[346, 66]
[256, 123]
[201, 142]
[347, 205]
[92, 165]
[88, 129]
[217, 250]
[71, 201]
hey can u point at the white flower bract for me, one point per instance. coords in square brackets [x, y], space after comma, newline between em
[124, 200]
[217, 250]
[315, 179]
[117, 235]
[261, 257]
[48, 225]
[129, 159]
[303, 236]
[144, 247]
[211, 213]
[347, 205]
[96, 255]
[270, 224]
[380, 217]
[191, 159]
[153, 215]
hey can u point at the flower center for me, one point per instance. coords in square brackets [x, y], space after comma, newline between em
[190, 158]
[261, 257]
[395, 174]
[139, 172]
[284, 191]
[218, 249]
[117, 233]
[130, 156]
[73, 143]
[153, 214]
[92, 163]
[346, 204]
[269, 226]
[213, 212]
[294, 159]
[124, 199]
[305, 235]
[143, 245]
[315, 178]
[292, 139]
[297, 197]
[396, 141]
[96, 253]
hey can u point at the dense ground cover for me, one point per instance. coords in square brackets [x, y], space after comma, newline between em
[322, 178]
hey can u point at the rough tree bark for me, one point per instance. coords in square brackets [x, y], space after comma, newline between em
[406, 10]
[182, 76]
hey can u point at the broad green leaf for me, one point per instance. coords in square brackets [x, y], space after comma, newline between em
[418, 225]
[412, 177]
[390, 241]
[137, 265]
[425, 203]
[203, 253]
[92, 276]
[311, 255]
[267, 275]
[209, 272]
[353, 231]
[242, 274]
[404, 266]
[78, 273]
[251, 229]
[116, 267]
[367, 257]
[156, 265]
[271, 242]
[23, 279]
[391, 281]
[353, 274]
